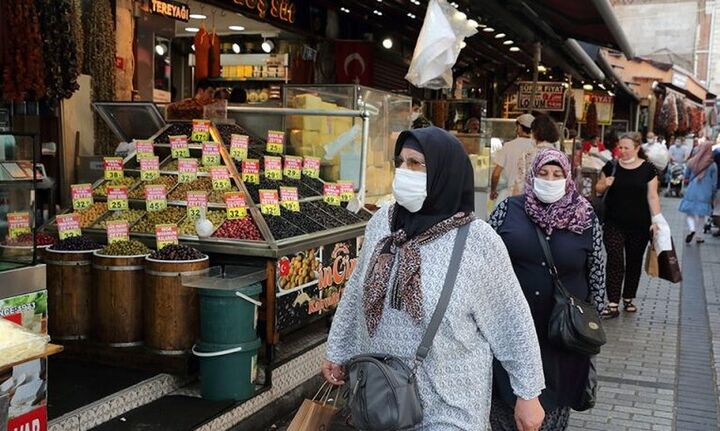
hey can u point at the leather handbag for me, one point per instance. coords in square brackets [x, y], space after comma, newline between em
[574, 323]
[598, 203]
[384, 394]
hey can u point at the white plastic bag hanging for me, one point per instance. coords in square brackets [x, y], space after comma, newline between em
[438, 45]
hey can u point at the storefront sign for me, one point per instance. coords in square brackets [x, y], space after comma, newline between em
[149, 168]
[220, 178]
[293, 167]
[28, 310]
[18, 224]
[68, 225]
[273, 168]
[289, 198]
[269, 202]
[549, 96]
[331, 194]
[179, 146]
[239, 147]
[210, 154]
[117, 230]
[283, 10]
[236, 205]
[166, 234]
[201, 131]
[113, 167]
[171, 9]
[275, 142]
[251, 171]
[311, 167]
[144, 149]
[117, 198]
[347, 191]
[155, 197]
[196, 201]
[187, 170]
[81, 196]
[604, 103]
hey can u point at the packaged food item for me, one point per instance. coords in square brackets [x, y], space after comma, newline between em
[18, 344]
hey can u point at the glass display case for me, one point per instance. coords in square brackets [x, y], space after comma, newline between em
[338, 140]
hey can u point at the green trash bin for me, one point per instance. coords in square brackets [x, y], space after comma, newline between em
[229, 316]
[227, 371]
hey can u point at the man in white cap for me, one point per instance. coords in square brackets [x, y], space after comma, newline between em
[510, 156]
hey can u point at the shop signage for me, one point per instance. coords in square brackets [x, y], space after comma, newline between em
[117, 198]
[251, 171]
[179, 146]
[149, 168]
[311, 167]
[549, 96]
[239, 147]
[220, 178]
[18, 224]
[36, 417]
[293, 167]
[604, 103]
[210, 154]
[68, 225]
[113, 167]
[187, 170]
[117, 230]
[81, 196]
[269, 202]
[155, 197]
[283, 10]
[166, 234]
[195, 202]
[331, 194]
[200, 131]
[347, 191]
[273, 168]
[171, 9]
[275, 142]
[28, 310]
[236, 205]
[289, 198]
[144, 149]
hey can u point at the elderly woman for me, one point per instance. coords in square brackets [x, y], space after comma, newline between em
[551, 203]
[388, 302]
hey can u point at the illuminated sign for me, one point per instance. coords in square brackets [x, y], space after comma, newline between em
[170, 9]
[282, 10]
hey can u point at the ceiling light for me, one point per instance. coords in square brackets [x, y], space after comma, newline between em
[542, 69]
[508, 42]
[377, 12]
[588, 87]
[500, 35]
[514, 49]
[488, 29]
[236, 48]
[411, 15]
[192, 29]
[601, 86]
[453, 4]
[387, 43]
[344, 9]
[236, 27]
[611, 93]
[197, 16]
[267, 45]
[192, 47]
[160, 49]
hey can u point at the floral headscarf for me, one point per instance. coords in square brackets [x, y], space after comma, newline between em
[572, 212]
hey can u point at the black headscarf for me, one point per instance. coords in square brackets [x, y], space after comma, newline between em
[450, 183]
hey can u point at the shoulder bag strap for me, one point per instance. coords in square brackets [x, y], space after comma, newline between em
[550, 261]
[612, 174]
[444, 300]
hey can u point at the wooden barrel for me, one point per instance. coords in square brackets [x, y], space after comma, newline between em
[69, 280]
[117, 299]
[170, 310]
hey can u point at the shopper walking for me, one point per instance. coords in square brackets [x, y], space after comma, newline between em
[545, 133]
[388, 302]
[552, 203]
[632, 210]
[507, 160]
[698, 199]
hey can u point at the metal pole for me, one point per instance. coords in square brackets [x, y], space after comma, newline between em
[536, 63]
[295, 111]
[363, 155]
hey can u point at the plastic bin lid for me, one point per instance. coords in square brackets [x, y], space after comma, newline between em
[225, 282]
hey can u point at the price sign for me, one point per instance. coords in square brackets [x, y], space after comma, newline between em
[19, 223]
[200, 131]
[236, 205]
[149, 168]
[195, 202]
[144, 149]
[81, 196]
[155, 197]
[331, 194]
[68, 225]
[269, 202]
[117, 230]
[179, 146]
[289, 198]
[166, 234]
[293, 167]
[117, 198]
[275, 142]
[210, 154]
[347, 191]
[187, 170]
[113, 167]
[251, 171]
[220, 178]
[273, 168]
[239, 147]
[311, 167]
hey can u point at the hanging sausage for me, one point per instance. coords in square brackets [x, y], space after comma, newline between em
[202, 53]
[23, 76]
[60, 52]
[214, 60]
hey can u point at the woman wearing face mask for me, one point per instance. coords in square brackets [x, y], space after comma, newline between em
[632, 211]
[552, 203]
[388, 302]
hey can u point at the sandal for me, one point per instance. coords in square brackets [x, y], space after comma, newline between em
[611, 311]
[689, 237]
[628, 306]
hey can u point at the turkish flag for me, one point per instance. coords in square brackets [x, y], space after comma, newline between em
[353, 62]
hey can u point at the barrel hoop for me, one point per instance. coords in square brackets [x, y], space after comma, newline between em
[176, 274]
[119, 268]
[68, 262]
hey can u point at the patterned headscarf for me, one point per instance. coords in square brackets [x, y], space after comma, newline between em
[702, 159]
[572, 212]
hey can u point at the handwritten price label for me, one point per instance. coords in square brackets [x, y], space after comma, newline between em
[113, 167]
[201, 131]
[331, 194]
[19, 223]
[269, 202]
[289, 198]
[81, 196]
[195, 202]
[166, 234]
[311, 167]
[239, 147]
[118, 230]
[187, 170]
[149, 168]
[273, 168]
[275, 142]
[144, 149]
[236, 205]
[347, 191]
[155, 197]
[179, 146]
[293, 167]
[68, 225]
[117, 198]
[220, 178]
[210, 154]
[251, 171]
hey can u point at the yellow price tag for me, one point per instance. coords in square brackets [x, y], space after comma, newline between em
[149, 175]
[221, 184]
[180, 152]
[113, 167]
[81, 196]
[236, 213]
[273, 174]
[251, 178]
[211, 160]
[156, 205]
[291, 205]
[274, 148]
[193, 213]
[117, 204]
[114, 175]
[187, 177]
[270, 209]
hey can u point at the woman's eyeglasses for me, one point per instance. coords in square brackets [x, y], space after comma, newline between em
[411, 163]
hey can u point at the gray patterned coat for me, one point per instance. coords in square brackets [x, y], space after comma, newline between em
[487, 316]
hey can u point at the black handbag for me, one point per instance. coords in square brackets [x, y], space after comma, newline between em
[574, 325]
[598, 203]
[384, 394]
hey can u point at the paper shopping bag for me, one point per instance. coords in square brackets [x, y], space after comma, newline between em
[651, 262]
[315, 414]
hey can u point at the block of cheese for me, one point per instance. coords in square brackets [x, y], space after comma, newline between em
[307, 101]
[303, 138]
[304, 122]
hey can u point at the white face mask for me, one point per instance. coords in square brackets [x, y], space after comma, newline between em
[414, 116]
[630, 160]
[549, 191]
[410, 189]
